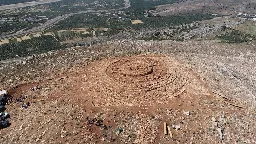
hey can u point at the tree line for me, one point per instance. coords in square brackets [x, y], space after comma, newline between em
[36, 45]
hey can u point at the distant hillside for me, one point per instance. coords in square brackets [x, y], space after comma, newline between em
[7, 2]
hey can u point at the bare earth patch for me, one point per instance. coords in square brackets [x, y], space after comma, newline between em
[127, 99]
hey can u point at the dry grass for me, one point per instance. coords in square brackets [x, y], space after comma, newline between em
[137, 22]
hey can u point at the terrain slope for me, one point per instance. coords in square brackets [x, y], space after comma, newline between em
[125, 91]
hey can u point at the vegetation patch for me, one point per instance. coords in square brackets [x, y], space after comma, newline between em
[248, 27]
[29, 47]
[236, 36]
[115, 24]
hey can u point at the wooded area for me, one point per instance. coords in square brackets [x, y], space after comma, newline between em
[29, 47]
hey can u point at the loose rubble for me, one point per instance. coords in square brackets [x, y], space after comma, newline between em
[59, 111]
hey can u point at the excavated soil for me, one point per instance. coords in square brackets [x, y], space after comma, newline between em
[150, 80]
[126, 99]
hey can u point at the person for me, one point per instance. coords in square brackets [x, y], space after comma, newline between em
[4, 115]
[2, 103]
[3, 92]
[4, 123]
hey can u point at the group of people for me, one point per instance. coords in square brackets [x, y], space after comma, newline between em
[4, 116]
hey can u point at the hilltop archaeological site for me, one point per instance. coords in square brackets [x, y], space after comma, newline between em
[133, 92]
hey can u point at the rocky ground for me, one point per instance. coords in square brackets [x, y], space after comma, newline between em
[126, 91]
[227, 7]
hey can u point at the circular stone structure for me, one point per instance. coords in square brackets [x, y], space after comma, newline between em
[144, 80]
[137, 81]
[139, 71]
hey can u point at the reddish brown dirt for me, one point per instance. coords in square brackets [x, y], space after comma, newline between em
[139, 84]
[141, 81]
[136, 93]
